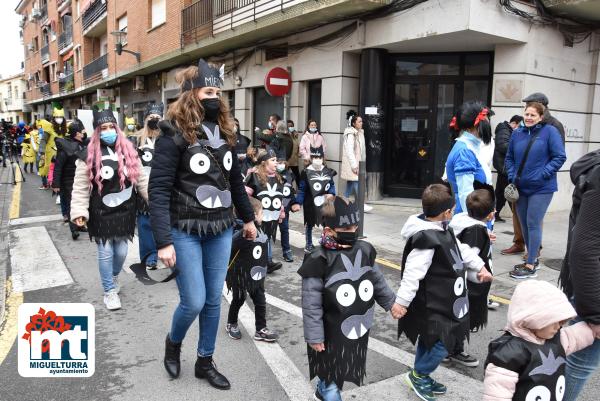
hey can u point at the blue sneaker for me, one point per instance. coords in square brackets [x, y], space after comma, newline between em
[437, 388]
[421, 385]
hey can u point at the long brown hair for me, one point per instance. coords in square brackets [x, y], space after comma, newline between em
[261, 171]
[187, 112]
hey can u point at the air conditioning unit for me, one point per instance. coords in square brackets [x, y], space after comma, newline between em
[36, 13]
[30, 47]
[139, 84]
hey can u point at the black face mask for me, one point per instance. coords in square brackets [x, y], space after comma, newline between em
[346, 237]
[153, 123]
[212, 107]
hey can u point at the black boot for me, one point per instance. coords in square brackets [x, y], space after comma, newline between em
[272, 266]
[74, 235]
[172, 363]
[206, 369]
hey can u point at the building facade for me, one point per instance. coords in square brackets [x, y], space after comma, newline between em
[12, 99]
[405, 66]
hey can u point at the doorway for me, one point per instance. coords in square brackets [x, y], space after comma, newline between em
[427, 90]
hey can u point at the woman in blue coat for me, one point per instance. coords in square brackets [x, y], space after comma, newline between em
[464, 166]
[537, 182]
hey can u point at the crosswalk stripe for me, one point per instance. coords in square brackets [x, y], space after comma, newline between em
[290, 378]
[35, 262]
[35, 219]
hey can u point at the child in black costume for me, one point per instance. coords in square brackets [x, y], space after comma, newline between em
[528, 361]
[340, 285]
[315, 186]
[246, 273]
[289, 194]
[432, 299]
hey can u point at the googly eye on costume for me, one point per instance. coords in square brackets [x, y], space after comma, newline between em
[147, 156]
[257, 252]
[345, 294]
[286, 191]
[560, 388]
[200, 163]
[327, 187]
[365, 290]
[459, 286]
[266, 203]
[538, 393]
[276, 203]
[227, 161]
[317, 186]
[107, 172]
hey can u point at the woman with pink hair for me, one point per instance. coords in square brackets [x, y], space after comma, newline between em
[107, 176]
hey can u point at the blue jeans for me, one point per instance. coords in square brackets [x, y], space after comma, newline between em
[329, 392]
[146, 239]
[531, 210]
[65, 207]
[284, 230]
[580, 366]
[202, 262]
[427, 360]
[111, 256]
[351, 188]
[308, 233]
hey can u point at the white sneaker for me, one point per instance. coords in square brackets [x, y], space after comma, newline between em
[116, 283]
[368, 208]
[112, 300]
[492, 305]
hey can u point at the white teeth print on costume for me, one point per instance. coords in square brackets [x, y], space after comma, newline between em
[117, 198]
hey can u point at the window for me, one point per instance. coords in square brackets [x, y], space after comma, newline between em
[16, 92]
[35, 44]
[53, 72]
[122, 26]
[314, 101]
[158, 12]
[78, 58]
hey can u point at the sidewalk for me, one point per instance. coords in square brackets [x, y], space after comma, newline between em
[383, 226]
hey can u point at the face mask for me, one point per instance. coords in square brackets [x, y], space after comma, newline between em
[130, 127]
[347, 237]
[236, 129]
[313, 130]
[212, 107]
[291, 129]
[270, 125]
[153, 123]
[317, 162]
[59, 120]
[109, 136]
[280, 168]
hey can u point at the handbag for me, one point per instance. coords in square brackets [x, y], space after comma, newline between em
[511, 193]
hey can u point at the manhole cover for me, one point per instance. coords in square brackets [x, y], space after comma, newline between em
[554, 264]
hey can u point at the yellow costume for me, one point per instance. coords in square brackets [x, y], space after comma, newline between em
[130, 123]
[29, 147]
[47, 145]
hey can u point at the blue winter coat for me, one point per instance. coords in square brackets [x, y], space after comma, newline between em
[546, 157]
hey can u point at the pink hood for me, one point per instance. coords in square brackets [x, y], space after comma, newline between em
[536, 304]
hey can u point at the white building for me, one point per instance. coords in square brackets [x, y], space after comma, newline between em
[12, 91]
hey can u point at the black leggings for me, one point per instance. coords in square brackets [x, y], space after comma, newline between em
[260, 307]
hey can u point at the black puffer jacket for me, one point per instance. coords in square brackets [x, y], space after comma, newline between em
[551, 120]
[501, 140]
[64, 166]
[580, 274]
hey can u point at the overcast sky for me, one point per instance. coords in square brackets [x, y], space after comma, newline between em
[10, 42]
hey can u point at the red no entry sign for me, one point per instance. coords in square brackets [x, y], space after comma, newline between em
[278, 82]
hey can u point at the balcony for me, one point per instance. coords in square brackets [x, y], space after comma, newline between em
[95, 69]
[92, 16]
[66, 83]
[65, 40]
[46, 90]
[582, 9]
[45, 54]
[252, 20]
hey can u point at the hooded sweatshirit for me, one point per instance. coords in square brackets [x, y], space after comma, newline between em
[435, 268]
[521, 366]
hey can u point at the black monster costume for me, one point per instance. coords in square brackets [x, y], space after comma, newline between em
[112, 211]
[541, 368]
[440, 309]
[146, 154]
[270, 195]
[248, 265]
[316, 187]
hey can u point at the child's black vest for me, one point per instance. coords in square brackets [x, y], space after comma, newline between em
[440, 309]
[146, 154]
[248, 263]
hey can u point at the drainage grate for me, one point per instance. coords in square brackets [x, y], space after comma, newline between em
[554, 264]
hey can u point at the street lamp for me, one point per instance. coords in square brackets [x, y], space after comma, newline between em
[120, 38]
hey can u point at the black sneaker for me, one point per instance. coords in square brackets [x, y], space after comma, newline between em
[151, 266]
[234, 331]
[523, 273]
[464, 359]
[266, 335]
[273, 266]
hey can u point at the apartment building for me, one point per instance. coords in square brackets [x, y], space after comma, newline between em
[12, 99]
[405, 65]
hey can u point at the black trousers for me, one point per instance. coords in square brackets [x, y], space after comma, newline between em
[260, 307]
[501, 184]
[66, 197]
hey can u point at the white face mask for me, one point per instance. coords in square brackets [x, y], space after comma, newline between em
[58, 120]
[317, 162]
[130, 127]
[281, 167]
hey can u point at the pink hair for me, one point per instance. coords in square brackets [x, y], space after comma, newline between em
[123, 147]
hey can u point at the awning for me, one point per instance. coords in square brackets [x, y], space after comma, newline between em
[68, 55]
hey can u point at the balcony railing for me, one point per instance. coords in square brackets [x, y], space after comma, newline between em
[196, 21]
[46, 90]
[65, 39]
[225, 6]
[94, 69]
[45, 52]
[66, 83]
[93, 12]
[44, 12]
